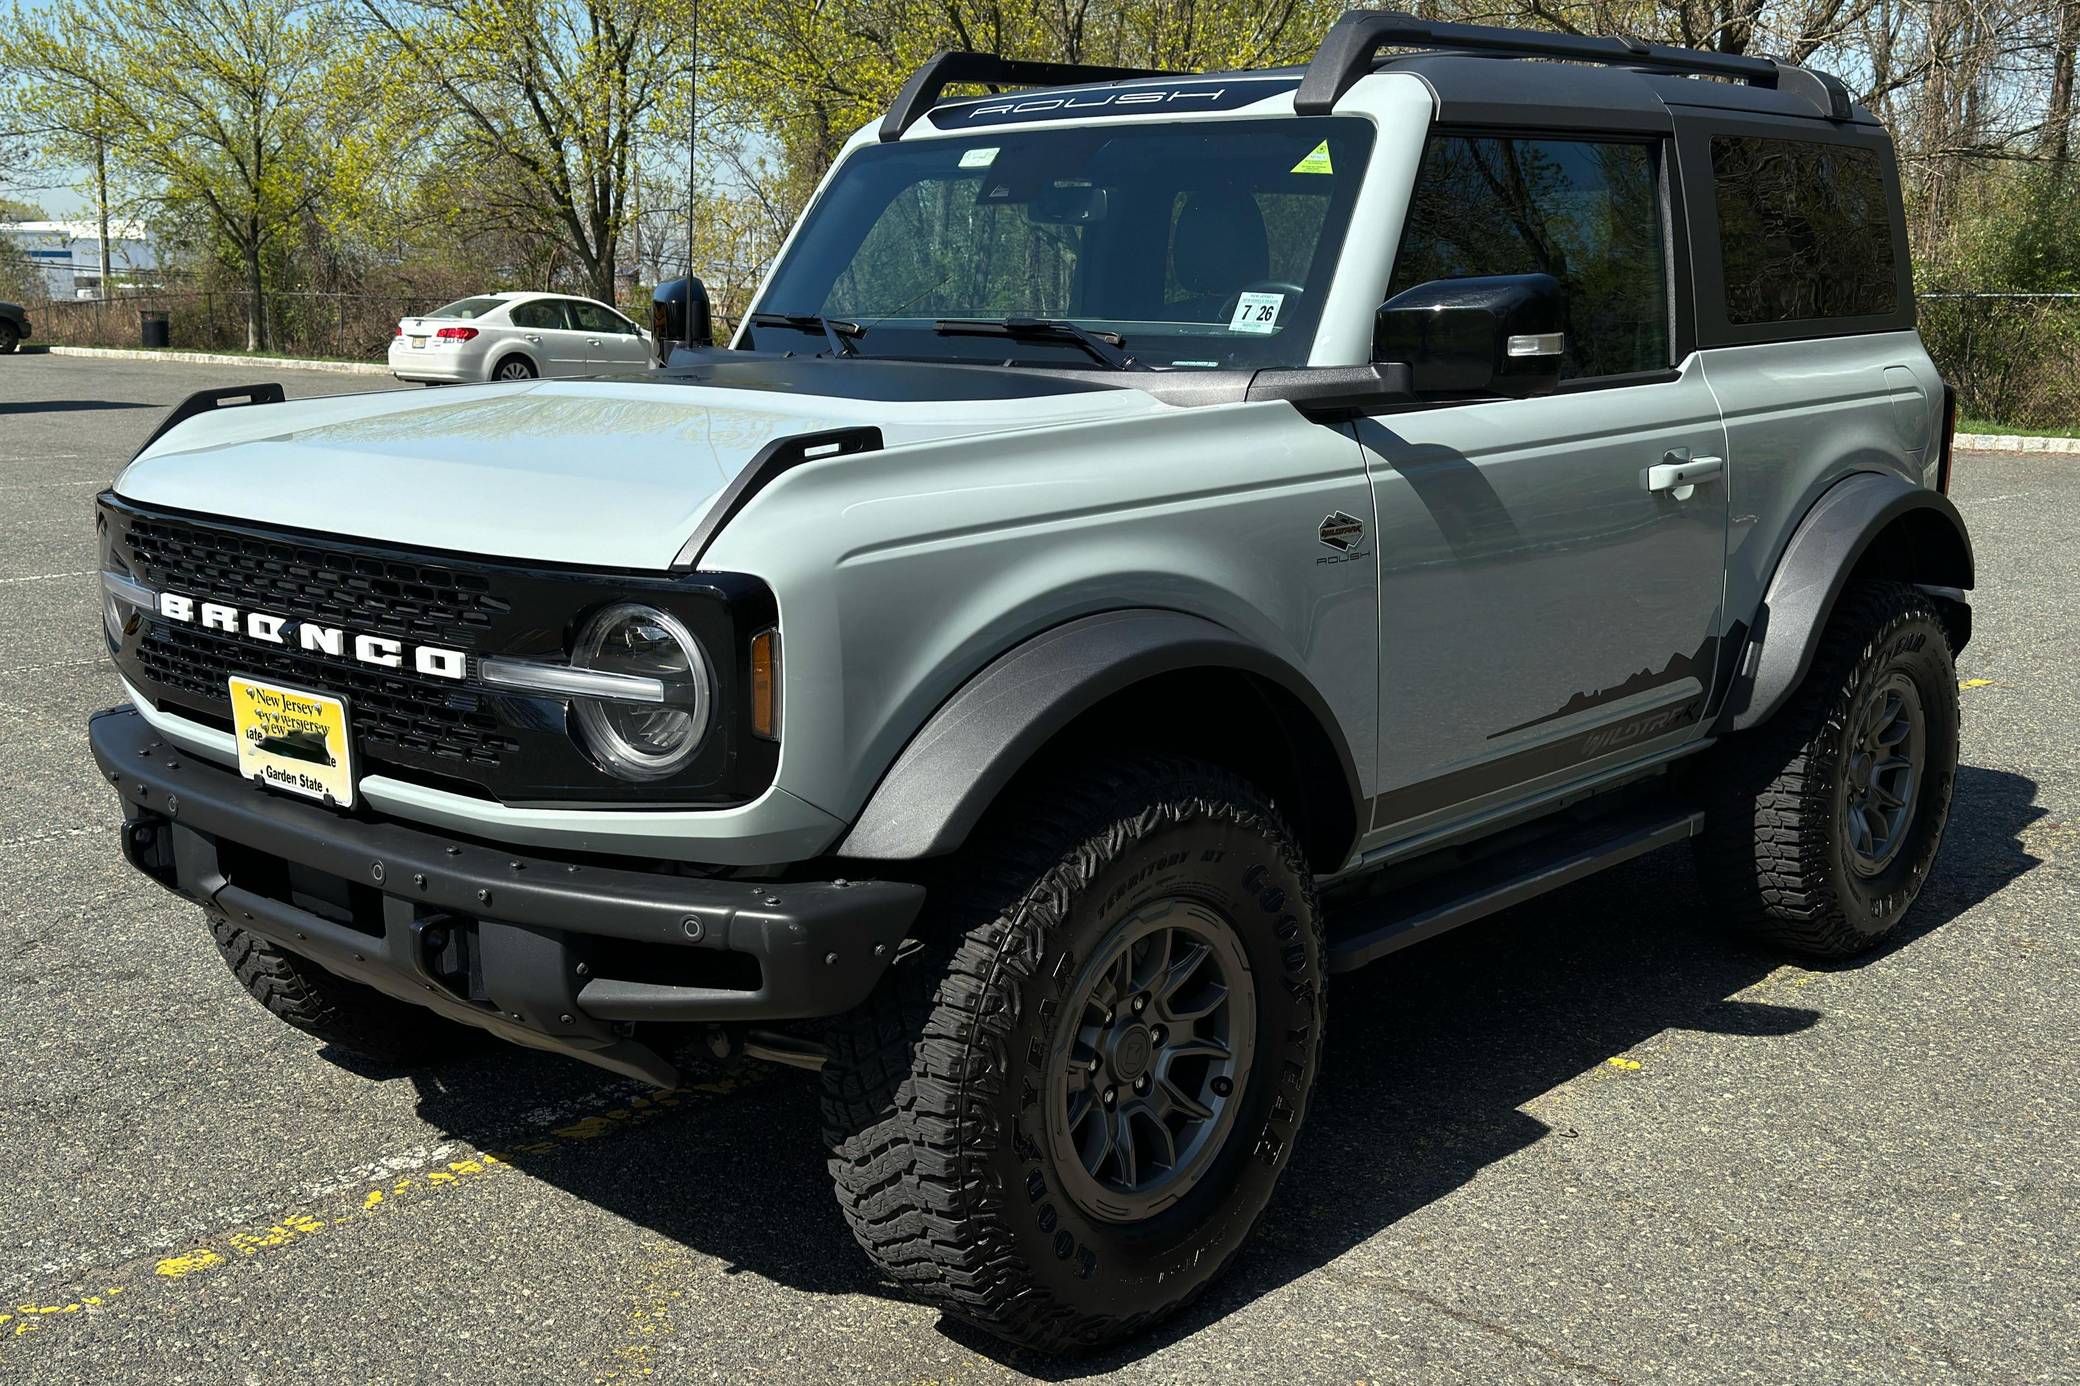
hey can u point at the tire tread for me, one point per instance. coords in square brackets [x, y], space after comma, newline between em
[908, 1087]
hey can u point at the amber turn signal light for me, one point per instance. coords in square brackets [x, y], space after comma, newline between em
[765, 684]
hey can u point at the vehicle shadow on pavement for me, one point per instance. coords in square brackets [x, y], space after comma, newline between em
[70, 406]
[1430, 1058]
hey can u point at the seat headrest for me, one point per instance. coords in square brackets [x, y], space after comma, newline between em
[1220, 243]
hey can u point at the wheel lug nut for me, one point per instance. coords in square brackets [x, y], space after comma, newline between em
[1223, 1085]
[1141, 1083]
[1140, 1004]
[1095, 1064]
[1110, 1097]
[1155, 1036]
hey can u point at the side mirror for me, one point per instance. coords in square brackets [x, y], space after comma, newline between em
[679, 316]
[1495, 335]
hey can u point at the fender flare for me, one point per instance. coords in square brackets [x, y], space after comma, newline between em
[1830, 542]
[969, 750]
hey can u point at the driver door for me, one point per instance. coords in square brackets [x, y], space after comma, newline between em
[1548, 608]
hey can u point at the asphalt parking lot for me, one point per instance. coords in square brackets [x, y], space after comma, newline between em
[1586, 1140]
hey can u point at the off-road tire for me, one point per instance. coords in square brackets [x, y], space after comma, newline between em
[1774, 857]
[356, 1018]
[932, 1105]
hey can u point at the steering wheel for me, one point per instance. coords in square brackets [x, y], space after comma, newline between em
[1263, 286]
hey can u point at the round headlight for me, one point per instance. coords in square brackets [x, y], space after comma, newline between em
[639, 738]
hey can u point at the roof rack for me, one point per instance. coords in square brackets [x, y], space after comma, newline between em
[952, 65]
[1354, 42]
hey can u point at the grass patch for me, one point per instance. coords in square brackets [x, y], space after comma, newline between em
[1988, 426]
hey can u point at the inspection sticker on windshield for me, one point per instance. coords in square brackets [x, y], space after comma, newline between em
[1257, 313]
[292, 740]
[1317, 160]
[979, 158]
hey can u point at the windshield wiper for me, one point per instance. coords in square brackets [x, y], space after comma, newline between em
[1104, 347]
[837, 331]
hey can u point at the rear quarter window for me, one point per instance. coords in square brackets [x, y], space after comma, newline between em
[1805, 231]
[466, 308]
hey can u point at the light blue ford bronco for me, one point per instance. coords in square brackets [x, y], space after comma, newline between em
[1155, 542]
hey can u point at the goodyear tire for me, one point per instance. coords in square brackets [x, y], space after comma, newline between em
[1822, 824]
[1061, 1117]
[354, 1017]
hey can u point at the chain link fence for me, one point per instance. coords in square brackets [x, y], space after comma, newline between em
[351, 326]
[2014, 359]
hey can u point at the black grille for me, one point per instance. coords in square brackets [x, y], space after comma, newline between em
[454, 734]
[386, 712]
[415, 600]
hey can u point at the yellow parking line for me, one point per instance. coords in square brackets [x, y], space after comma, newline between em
[375, 1199]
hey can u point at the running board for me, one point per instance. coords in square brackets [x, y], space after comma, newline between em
[1369, 929]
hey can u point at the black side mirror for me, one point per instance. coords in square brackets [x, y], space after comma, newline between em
[679, 316]
[1494, 335]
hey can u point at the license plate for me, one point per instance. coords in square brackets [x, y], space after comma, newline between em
[293, 741]
[418, 343]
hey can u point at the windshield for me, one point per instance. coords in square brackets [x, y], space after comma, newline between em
[1198, 245]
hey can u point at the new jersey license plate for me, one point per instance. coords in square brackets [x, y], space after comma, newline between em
[293, 741]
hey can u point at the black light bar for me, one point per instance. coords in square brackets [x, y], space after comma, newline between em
[954, 65]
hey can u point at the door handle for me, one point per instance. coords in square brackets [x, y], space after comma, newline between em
[1679, 474]
[592, 341]
[532, 337]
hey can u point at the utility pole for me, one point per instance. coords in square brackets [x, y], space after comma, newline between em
[101, 204]
[693, 107]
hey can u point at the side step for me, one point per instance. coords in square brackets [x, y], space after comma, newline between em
[1370, 927]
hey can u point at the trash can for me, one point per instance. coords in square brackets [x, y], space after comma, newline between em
[155, 329]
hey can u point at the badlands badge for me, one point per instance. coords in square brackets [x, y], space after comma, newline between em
[1342, 532]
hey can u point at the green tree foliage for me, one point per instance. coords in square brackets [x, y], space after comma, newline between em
[549, 103]
[806, 76]
[237, 110]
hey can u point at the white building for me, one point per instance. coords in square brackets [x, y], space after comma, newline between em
[69, 253]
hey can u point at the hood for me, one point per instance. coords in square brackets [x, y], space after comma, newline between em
[599, 473]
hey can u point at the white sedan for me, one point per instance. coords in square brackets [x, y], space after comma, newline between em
[516, 336]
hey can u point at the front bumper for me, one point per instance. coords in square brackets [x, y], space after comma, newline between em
[565, 955]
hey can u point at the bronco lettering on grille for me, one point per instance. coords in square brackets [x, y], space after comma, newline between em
[312, 638]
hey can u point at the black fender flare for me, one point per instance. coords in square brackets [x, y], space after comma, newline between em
[1931, 549]
[968, 750]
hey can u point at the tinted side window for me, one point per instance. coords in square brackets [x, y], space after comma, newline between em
[1805, 230]
[1586, 213]
[538, 313]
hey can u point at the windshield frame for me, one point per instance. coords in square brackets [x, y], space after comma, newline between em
[833, 231]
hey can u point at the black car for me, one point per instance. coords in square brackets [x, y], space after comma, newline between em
[14, 327]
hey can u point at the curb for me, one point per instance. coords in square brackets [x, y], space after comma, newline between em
[212, 358]
[2014, 442]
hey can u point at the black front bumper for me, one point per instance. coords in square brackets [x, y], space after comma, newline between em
[563, 955]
